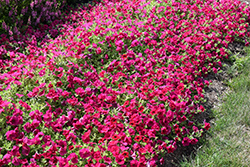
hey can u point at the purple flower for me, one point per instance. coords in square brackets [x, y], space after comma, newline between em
[4, 25]
[32, 5]
[90, 49]
[11, 12]
[34, 13]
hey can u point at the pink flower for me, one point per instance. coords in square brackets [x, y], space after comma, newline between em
[59, 84]
[194, 141]
[188, 40]
[114, 149]
[208, 46]
[84, 153]
[166, 130]
[25, 105]
[16, 120]
[42, 85]
[73, 157]
[170, 148]
[97, 156]
[19, 95]
[7, 158]
[98, 50]
[47, 117]
[131, 131]
[32, 5]
[151, 133]
[107, 159]
[63, 162]
[94, 45]
[202, 108]
[16, 161]
[65, 94]
[134, 43]
[27, 127]
[80, 91]
[127, 141]
[120, 159]
[207, 126]
[119, 43]
[100, 165]
[41, 93]
[149, 148]
[72, 101]
[36, 156]
[146, 40]
[134, 163]
[30, 94]
[15, 151]
[63, 151]
[185, 141]
[35, 123]
[215, 70]
[25, 150]
[136, 146]
[118, 49]
[170, 116]
[195, 129]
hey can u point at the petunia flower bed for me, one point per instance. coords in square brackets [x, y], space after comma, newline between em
[120, 86]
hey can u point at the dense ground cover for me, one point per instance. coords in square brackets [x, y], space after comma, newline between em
[120, 84]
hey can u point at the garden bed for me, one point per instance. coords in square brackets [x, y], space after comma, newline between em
[120, 84]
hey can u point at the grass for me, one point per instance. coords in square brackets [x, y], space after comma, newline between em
[229, 141]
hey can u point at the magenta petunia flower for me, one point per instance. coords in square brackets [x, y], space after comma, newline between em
[185, 141]
[25, 150]
[84, 153]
